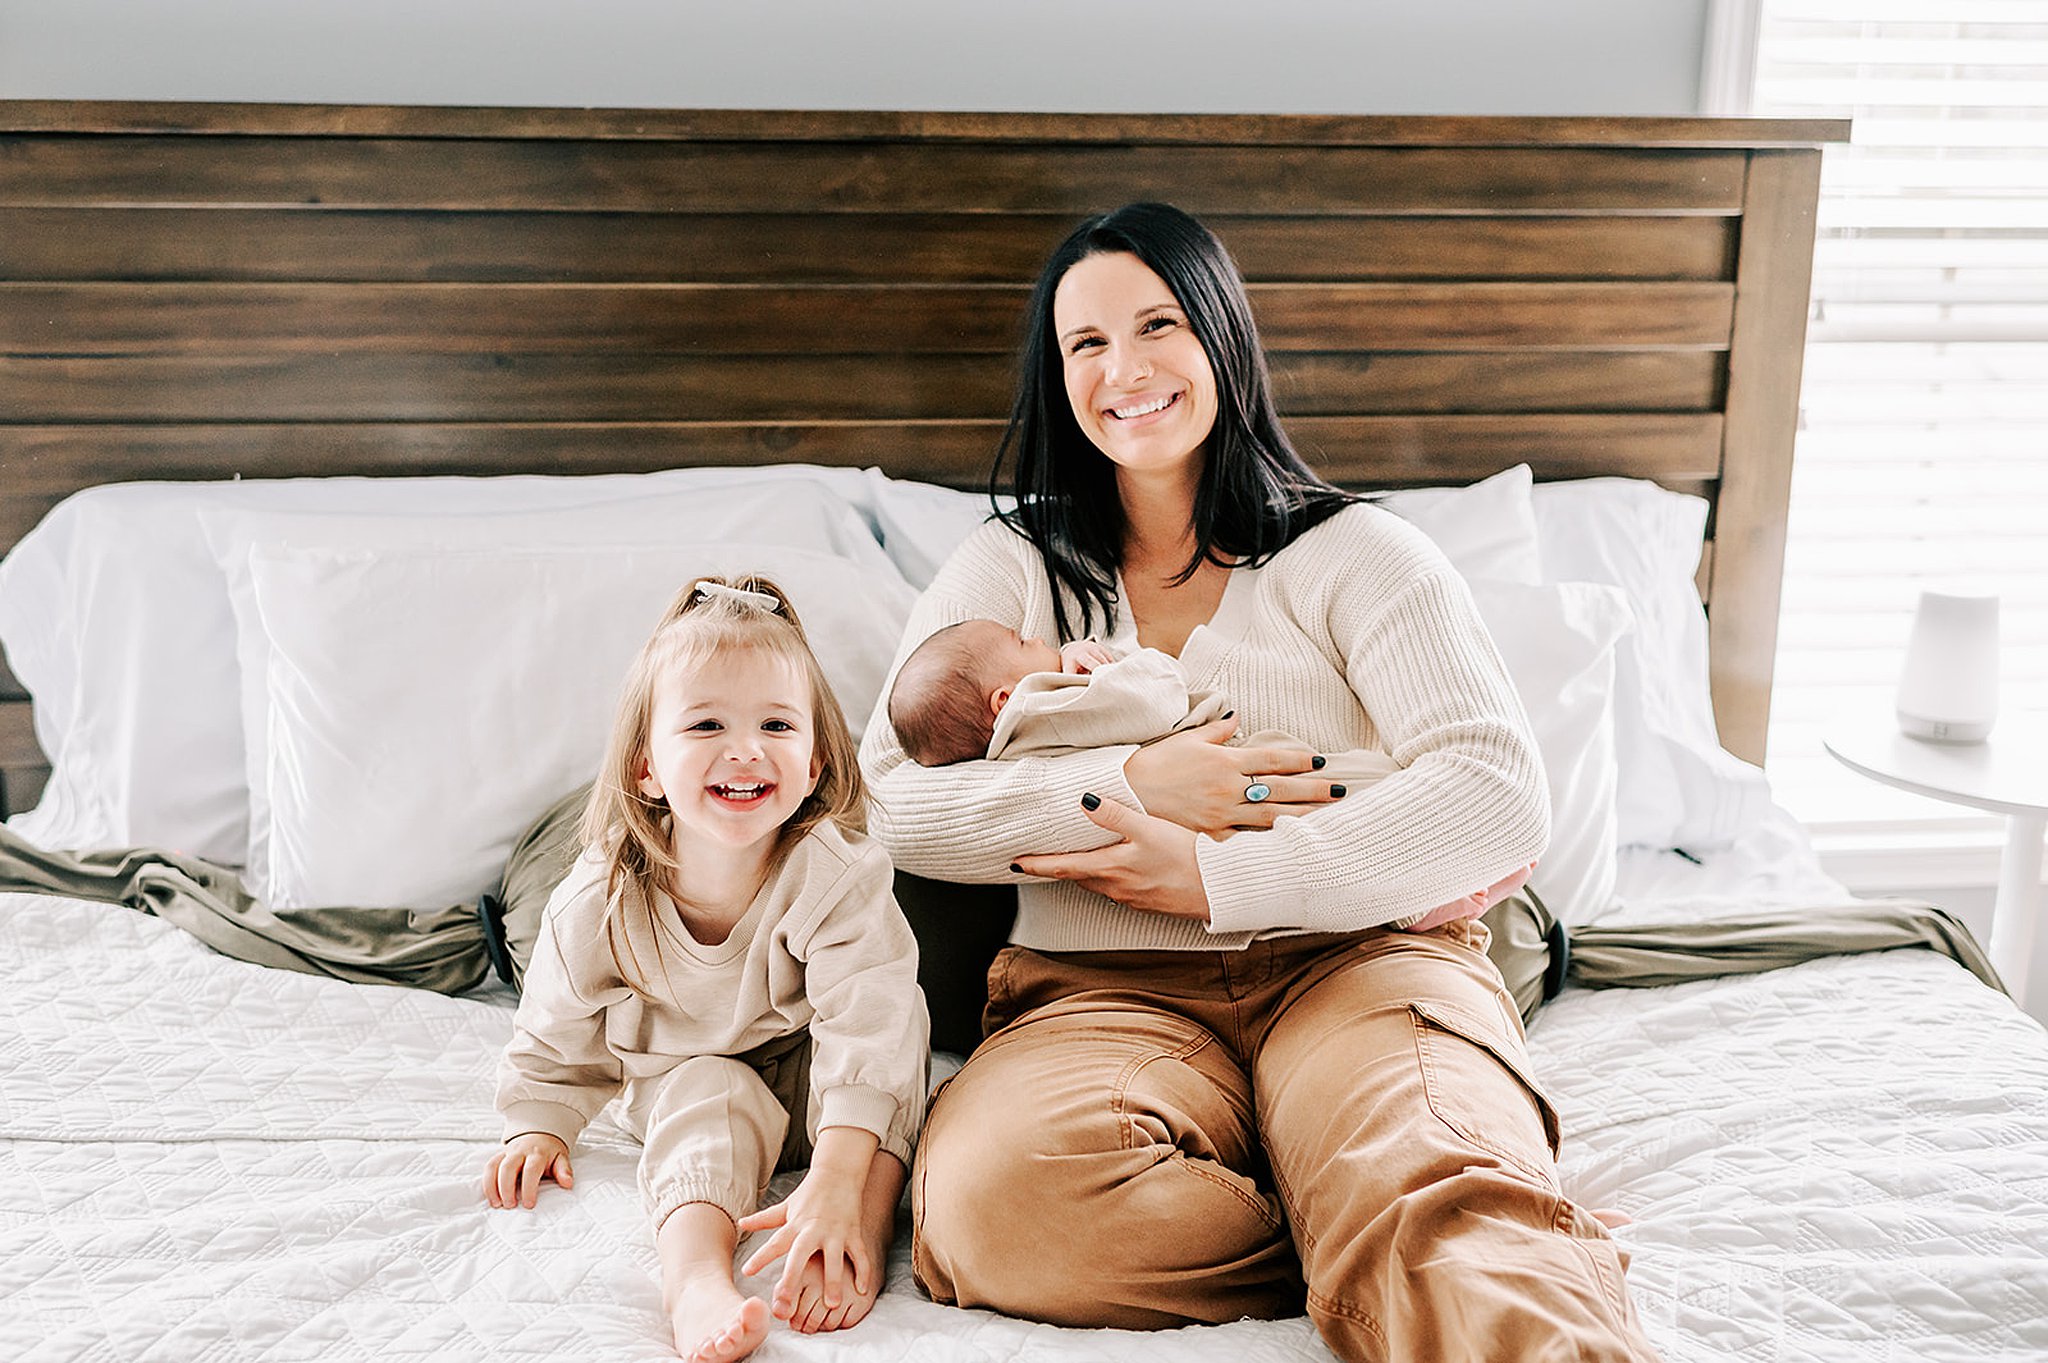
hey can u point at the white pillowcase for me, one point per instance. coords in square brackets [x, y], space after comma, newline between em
[116, 619]
[1678, 786]
[1487, 529]
[1559, 645]
[781, 511]
[921, 524]
[423, 705]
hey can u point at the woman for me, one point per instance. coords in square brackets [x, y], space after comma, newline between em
[1213, 1087]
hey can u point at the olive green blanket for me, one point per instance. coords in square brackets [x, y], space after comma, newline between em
[451, 949]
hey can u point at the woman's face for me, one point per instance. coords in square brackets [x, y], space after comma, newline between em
[1137, 376]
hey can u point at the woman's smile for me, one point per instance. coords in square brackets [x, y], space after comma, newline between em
[1135, 412]
[1137, 378]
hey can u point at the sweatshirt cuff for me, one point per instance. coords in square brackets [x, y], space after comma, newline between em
[857, 1105]
[559, 1120]
[1250, 882]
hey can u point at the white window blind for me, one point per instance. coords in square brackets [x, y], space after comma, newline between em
[1923, 447]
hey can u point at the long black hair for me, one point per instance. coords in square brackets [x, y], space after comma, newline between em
[1255, 495]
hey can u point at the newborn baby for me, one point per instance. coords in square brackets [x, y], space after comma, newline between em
[979, 689]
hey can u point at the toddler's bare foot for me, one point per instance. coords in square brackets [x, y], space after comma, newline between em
[715, 1324]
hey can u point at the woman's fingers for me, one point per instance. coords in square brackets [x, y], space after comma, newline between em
[1294, 790]
[1154, 868]
[1276, 761]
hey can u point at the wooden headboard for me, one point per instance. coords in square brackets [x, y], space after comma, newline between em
[211, 290]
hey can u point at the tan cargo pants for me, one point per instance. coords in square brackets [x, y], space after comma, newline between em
[1148, 1139]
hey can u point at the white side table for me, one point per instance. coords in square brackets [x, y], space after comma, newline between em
[2006, 774]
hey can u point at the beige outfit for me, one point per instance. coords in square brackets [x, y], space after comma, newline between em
[1138, 699]
[822, 956]
[1284, 1106]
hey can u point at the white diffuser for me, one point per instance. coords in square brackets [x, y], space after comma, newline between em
[1949, 690]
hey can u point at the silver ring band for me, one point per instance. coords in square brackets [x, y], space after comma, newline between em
[1257, 791]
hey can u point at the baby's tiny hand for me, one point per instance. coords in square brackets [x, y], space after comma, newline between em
[517, 1171]
[1084, 656]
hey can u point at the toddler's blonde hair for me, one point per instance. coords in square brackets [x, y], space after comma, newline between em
[633, 831]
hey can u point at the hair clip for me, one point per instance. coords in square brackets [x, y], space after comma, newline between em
[739, 596]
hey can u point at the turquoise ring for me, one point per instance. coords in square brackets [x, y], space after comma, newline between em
[1257, 791]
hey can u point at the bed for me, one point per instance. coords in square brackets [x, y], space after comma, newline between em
[305, 362]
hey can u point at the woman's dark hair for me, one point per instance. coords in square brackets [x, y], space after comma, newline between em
[1256, 494]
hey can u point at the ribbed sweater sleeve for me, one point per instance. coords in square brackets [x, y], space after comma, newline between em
[1469, 804]
[969, 820]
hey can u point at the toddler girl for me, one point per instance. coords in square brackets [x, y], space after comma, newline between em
[728, 956]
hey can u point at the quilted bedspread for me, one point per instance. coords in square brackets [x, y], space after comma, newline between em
[205, 1160]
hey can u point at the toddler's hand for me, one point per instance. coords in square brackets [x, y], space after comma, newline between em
[821, 1218]
[517, 1171]
[1084, 656]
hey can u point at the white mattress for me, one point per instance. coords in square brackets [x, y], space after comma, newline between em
[205, 1160]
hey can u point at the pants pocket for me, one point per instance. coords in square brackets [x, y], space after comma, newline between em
[1478, 1084]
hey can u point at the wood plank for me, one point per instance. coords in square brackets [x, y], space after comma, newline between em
[215, 319]
[279, 244]
[20, 788]
[361, 120]
[651, 387]
[824, 177]
[18, 746]
[10, 685]
[40, 465]
[1431, 449]
[1773, 275]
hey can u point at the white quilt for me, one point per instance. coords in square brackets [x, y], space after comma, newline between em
[206, 1160]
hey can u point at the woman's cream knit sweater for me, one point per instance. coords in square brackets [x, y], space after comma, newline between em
[1358, 635]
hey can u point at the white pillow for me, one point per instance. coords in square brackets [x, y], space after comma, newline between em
[921, 524]
[1678, 786]
[1486, 529]
[116, 619]
[793, 512]
[424, 705]
[1559, 646]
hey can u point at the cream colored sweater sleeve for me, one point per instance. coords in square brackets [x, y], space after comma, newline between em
[871, 1036]
[557, 1072]
[969, 820]
[1470, 804]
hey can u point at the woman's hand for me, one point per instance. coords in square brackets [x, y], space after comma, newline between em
[517, 1171]
[1153, 868]
[1192, 779]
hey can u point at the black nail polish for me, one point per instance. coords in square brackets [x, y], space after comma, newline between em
[1015, 867]
[1318, 763]
[1091, 802]
[1226, 714]
[1336, 792]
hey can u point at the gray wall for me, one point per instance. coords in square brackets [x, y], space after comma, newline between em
[1168, 56]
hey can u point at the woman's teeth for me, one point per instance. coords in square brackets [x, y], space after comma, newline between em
[1144, 408]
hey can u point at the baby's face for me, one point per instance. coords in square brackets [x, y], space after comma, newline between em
[1010, 655]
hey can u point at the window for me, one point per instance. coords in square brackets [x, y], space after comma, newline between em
[1923, 445]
